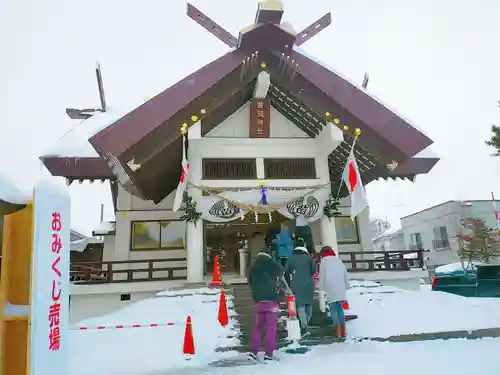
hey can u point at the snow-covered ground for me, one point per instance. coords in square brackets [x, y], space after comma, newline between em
[387, 311]
[456, 357]
[383, 311]
[145, 350]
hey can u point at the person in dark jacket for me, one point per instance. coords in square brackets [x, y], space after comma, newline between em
[264, 277]
[303, 230]
[300, 267]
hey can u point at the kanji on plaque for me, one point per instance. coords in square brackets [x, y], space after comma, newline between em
[260, 116]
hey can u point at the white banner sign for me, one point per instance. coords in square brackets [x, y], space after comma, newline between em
[308, 207]
[50, 278]
[216, 209]
[230, 205]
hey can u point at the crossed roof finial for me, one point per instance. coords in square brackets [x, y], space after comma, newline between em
[268, 12]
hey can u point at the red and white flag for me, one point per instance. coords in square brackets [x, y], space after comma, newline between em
[181, 188]
[352, 179]
[497, 216]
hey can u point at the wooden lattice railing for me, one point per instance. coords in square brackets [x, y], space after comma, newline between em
[126, 271]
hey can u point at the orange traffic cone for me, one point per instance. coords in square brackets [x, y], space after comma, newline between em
[188, 338]
[223, 316]
[216, 280]
[346, 306]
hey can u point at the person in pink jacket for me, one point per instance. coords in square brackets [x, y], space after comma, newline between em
[334, 282]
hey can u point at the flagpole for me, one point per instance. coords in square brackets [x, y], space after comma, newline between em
[181, 191]
[185, 139]
[497, 216]
[342, 178]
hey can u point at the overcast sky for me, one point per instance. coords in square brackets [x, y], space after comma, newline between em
[435, 61]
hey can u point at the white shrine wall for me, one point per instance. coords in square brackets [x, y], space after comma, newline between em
[237, 126]
[131, 208]
[230, 140]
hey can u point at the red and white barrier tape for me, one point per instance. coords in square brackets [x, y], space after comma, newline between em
[124, 326]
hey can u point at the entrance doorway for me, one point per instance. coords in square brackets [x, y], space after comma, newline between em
[224, 239]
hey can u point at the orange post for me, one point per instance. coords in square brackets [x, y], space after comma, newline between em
[216, 277]
[292, 308]
[223, 316]
[15, 289]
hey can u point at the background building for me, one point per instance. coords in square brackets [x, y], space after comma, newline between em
[390, 240]
[436, 228]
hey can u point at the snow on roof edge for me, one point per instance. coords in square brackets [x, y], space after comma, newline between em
[390, 233]
[427, 153]
[75, 142]
[11, 193]
[104, 228]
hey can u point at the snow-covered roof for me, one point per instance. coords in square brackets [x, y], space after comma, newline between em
[390, 233]
[11, 193]
[427, 153]
[104, 228]
[455, 267]
[80, 245]
[330, 68]
[75, 142]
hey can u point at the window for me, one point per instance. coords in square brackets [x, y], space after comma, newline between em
[157, 235]
[347, 230]
[229, 169]
[416, 241]
[290, 168]
[441, 240]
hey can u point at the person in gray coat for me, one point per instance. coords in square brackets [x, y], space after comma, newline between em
[300, 268]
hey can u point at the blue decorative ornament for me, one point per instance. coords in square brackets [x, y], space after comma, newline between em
[263, 196]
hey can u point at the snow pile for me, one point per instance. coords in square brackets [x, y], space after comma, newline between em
[10, 193]
[387, 311]
[152, 350]
[376, 289]
[363, 283]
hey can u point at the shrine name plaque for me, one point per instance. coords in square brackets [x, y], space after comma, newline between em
[260, 116]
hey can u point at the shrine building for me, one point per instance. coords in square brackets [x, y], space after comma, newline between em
[265, 116]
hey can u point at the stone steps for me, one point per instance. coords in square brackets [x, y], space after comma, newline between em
[243, 305]
[321, 330]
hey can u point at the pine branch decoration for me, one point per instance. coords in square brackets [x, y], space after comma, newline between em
[191, 215]
[330, 209]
